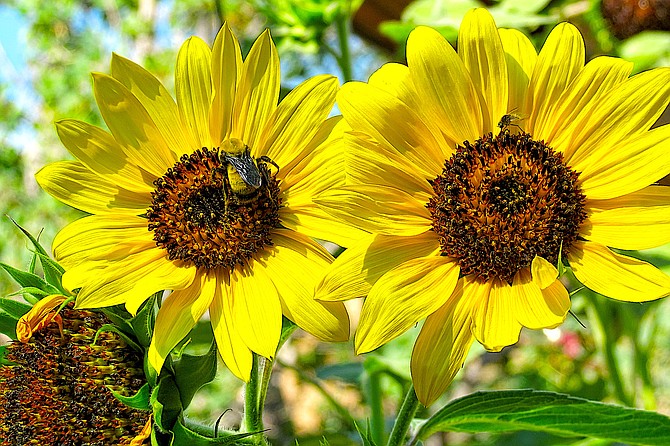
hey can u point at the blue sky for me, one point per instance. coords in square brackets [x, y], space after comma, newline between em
[12, 25]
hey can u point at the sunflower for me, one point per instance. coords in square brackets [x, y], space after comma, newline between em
[479, 174]
[209, 197]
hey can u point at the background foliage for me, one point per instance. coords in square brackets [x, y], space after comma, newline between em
[621, 354]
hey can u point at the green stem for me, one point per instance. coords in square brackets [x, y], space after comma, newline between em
[253, 415]
[609, 342]
[405, 416]
[374, 397]
[344, 60]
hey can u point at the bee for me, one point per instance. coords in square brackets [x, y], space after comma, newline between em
[242, 171]
[509, 119]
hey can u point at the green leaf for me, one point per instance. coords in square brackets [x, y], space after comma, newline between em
[559, 414]
[26, 279]
[139, 401]
[30, 294]
[53, 272]
[192, 372]
[366, 436]
[14, 308]
[166, 403]
[185, 435]
[8, 325]
[36, 244]
[143, 322]
[3, 360]
[115, 329]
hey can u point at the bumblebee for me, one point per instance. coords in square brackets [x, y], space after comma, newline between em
[241, 170]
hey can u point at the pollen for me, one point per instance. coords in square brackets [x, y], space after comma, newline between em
[200, 220]
[503, 200]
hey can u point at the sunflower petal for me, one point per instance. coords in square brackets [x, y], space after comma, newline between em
[226, 72]
[75, 185]
[640, 220]
[234, 352]
[481, 50]
[494, 321]
[257, 91]
[629, 166]
[353, 273]
[532, 310]
[298, 117]
[375, 112]
[157, 101]
[402, 297]
[443, 344]
[98, 151]
[132, 126]
[296, 265]
[130, 280]
[178, 315]
[256, 309]
[193, 84]
[378, 209]
[559, 61]
[543, 272]
[520, 58]
[617, 276]
[443, 81]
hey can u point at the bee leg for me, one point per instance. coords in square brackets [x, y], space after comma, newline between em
[267, 159]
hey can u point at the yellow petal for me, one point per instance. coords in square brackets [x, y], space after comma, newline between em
[368, 162]
[543, 272]
[257, 92]
[617, 276]
[132, 126]
[75, 185]
[130, 280]
[443, 344]
[234, 352]
[520, 58]
[39, 316]
[623, 113]
[378, 209]
[404, 296]
[158, 103]
[392, 123]
[570, 118]
[530, 306]
[630, 165]
[354, 272]
[481, 50]
[256, 309]
[193, 84]
[100, 237]
[178, 315]
[297, 119]
[296, 264]
[494, 323]
[559, 61]
[98, 150]
[557, 298]
[444, 84]
[640, 220]
[226, 72]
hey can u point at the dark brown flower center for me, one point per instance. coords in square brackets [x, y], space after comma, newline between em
[502, 201]
[200, 219]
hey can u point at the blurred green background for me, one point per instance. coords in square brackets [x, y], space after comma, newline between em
[48, 49]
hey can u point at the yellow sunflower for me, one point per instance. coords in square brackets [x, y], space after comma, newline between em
[477, 172]
[209, 197]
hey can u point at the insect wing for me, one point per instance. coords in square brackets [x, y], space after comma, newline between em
[246, 167]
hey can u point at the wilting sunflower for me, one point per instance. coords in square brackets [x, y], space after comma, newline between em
[209, 197]
[478, 172]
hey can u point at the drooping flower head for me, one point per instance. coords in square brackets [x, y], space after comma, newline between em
[478, 173]
[209, 197]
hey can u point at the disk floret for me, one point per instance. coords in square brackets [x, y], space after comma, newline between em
[503, 200]
[200, 219]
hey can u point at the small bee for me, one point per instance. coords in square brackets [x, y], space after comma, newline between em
[509, 119]
[241, 170]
